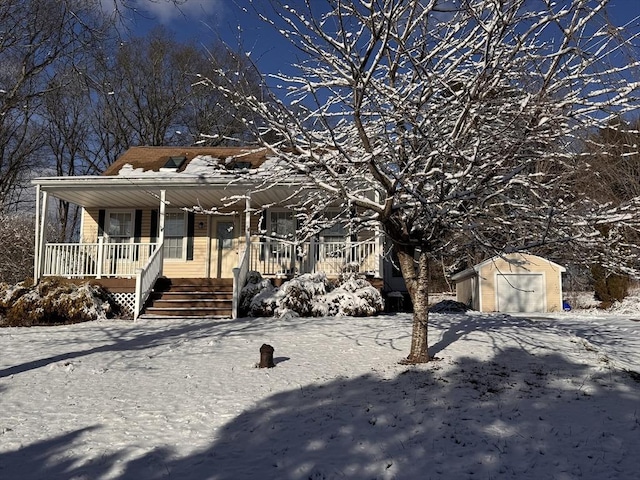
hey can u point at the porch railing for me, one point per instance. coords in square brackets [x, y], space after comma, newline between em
[274, 257]
[101, 259]
[146, 278]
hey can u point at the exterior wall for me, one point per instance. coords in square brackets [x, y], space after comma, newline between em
[195, 268]
[206, 249]
[89, 233]
[551, 274]
[464, 291]
[205, 243]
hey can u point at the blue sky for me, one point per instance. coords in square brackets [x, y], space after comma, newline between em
[229, 20]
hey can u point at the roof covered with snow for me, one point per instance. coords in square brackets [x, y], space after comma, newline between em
[155, 159]
[190, 176]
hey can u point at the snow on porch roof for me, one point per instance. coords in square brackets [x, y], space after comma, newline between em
[155, 158]
[515, 258]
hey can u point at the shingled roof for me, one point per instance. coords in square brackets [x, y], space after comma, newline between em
[155, 158]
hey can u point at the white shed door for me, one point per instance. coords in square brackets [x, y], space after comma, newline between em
[521, 293]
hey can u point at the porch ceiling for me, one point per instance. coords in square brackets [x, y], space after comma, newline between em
[113, 192]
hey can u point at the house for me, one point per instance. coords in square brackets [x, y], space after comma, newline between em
[193, 217]
[511, 283]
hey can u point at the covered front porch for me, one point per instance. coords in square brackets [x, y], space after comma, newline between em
[131, 228]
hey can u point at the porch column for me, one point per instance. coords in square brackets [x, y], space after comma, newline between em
[36, 247]
[41, 237]
[379, 237]
[247, 221]
[163, 204]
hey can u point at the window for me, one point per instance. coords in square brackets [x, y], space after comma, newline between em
[333, 238]
[281, 226]
[120, 227]
[119, 230]
[174, 235]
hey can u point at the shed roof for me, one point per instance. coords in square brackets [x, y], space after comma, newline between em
[513, 258]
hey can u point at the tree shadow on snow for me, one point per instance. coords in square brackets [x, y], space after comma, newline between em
[518, 415]
[51, 459]
[140, 337]
[456, 327]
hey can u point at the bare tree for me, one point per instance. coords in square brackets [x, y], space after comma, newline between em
[149, 94]
[612, 169]
[16, 242]
[69, 139]
[36, 38]
[453, 124]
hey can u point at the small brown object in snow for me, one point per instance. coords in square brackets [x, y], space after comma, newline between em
[266, 356]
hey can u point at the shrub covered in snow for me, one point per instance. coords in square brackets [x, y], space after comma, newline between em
[352, 296]
[312, 295]
[53, 301]
[254, 296]
[299, 294]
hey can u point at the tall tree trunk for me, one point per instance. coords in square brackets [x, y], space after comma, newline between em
[416, 277]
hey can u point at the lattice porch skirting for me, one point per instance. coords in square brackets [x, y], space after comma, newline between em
[126, 301]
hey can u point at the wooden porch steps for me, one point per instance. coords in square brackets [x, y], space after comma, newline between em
[190, 297]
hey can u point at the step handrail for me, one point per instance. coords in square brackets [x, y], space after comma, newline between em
[239, 279]
[146, 278]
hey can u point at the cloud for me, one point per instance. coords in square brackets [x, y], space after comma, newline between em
[166, 11]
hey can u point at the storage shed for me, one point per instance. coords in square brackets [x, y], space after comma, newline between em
[511, 283]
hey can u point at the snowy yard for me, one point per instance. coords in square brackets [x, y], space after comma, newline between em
[510, 397]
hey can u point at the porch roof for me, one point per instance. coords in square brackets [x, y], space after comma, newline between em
[144, 191]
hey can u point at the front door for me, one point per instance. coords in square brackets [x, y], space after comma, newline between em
[225, 258]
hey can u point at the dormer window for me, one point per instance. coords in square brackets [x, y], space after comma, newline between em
[241, 165]
[173, 164]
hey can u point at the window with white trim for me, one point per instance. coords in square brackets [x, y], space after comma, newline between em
[333, 237]
[120, 227]
[174, 235]
[282, 225]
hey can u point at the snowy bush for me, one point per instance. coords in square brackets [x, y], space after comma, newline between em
[254, 297]
[53, 301]
[352, 296]
[298, 294]
[314, 295]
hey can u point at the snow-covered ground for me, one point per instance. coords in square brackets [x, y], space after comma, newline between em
[510, 397]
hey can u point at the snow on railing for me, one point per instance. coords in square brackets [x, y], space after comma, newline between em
[146, 278]
[101, 259]
[281, 257]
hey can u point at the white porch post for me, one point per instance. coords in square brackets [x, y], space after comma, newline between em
[247, 220]
[41, 239]
[100, 260]
[36, 247]
[380, 249]
[379, 236]
[163, 202]
[247, 227]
